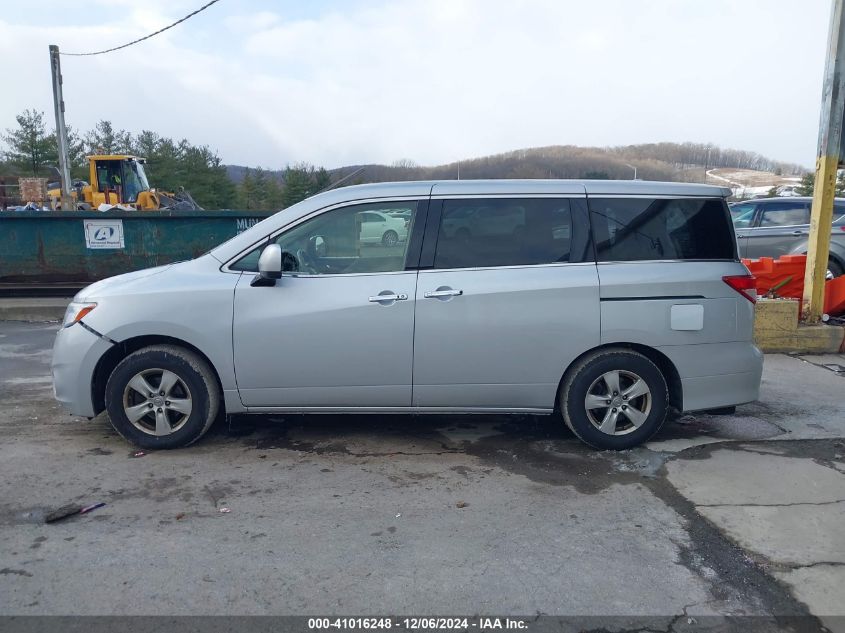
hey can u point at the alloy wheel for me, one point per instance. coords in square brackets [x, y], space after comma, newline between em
[157, 401]
[618, 402]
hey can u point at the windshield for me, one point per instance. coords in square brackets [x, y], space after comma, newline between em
[135, 180]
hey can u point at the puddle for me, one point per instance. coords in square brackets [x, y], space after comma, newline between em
[537, 447]
[720, 427]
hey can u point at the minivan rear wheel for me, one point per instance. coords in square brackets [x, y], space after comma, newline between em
[162, 396]
[614, 399]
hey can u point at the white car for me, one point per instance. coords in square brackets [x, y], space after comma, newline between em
[381, 228]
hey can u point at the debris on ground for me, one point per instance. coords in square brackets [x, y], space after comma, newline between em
[70, 510]
[224, 509]
[138, 454]
[461, 504]
[180, 516]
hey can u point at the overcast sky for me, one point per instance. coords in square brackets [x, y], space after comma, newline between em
[336, 82]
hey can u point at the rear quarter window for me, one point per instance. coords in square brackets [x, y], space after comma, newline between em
[641, 229]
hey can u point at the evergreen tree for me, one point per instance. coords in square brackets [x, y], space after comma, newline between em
[170, 165]
[809, 180]
[145, 144]
[261, 185]
[322, 180]
[200, 172]
[301, 181]
[76, 155]
[246, 198]
[103, 139]
[807, 183]
[273, 201]
[31, 148]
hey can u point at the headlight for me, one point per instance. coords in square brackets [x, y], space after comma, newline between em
[76, 311]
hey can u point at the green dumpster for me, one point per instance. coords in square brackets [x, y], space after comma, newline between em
[39, 247]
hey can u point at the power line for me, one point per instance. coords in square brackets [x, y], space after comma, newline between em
[146, 37]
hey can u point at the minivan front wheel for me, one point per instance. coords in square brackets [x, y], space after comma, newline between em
[162, 396]
[614, 399]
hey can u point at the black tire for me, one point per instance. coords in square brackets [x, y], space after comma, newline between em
[196, 378]
[588, 373]
[390, 238]
[835, 267]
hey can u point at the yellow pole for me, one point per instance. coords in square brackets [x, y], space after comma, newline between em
[821, 219]
[830, 138]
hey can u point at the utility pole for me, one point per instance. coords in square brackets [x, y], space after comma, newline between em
[827, 163]
[61, 131]
[634, 167]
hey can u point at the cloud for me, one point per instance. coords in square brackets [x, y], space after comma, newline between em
[249, 23]
[437, 80]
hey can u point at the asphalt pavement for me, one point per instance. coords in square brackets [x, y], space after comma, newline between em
[739, 515]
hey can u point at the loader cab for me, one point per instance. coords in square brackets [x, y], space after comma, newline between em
[117, 179]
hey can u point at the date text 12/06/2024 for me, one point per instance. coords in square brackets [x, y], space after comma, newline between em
[418, 623]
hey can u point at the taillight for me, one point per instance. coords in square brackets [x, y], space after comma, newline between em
[744, 285]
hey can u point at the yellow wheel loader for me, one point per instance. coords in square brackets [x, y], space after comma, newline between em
[119, 179]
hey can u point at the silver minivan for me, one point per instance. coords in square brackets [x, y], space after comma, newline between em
[603, 302]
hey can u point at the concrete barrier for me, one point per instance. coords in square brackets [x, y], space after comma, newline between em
[776, 329]
[33, 309]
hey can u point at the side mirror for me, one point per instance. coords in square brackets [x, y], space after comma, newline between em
[270, 262]
[269, 266]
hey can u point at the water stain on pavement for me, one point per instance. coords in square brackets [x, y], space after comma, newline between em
[537, 447]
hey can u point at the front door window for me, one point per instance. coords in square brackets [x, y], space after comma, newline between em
[364, 238]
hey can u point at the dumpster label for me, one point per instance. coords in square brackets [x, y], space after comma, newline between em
[242, 224]
[103, 233]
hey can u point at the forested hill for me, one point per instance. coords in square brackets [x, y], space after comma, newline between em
[653, 161]
[30, 148]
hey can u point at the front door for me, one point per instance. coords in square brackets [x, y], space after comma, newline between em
[336, 331]
[742, 216]
[501, 314]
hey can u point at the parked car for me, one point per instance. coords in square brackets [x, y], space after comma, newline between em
[383, 228]
[615, 302]
[771, 227]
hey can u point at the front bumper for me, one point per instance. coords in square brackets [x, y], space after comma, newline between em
[76, 352]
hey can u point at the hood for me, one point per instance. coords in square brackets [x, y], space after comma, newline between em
[124, 282]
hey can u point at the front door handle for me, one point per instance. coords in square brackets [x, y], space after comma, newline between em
[443, 292]
[799, 233]
[388, 296]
